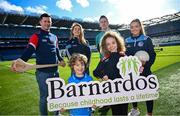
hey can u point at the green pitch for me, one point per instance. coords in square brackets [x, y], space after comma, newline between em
[19, 92]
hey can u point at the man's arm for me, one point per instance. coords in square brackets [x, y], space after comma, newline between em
[31, 47]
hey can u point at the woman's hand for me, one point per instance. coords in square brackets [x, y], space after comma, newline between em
[143, 62]
[105, 78]
[141, 69]
[62, 63]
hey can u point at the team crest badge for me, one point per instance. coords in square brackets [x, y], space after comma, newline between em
[140, 44]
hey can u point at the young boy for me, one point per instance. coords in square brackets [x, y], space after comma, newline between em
[78, 64]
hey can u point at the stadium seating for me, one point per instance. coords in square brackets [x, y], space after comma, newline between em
[166, 40]
[17, 29]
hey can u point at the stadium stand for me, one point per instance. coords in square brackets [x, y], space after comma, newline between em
[166, 40]
[17, 28]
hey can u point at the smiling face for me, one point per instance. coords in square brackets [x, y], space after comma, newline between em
[79, 68]
[76, 31]
[104, 24]
[135, 28]
[46, 23]
[111, 44]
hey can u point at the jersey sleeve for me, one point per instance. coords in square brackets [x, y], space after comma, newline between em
[34, 40]
[31, 47]
[99, 71]
[151, 53]
[57, 51]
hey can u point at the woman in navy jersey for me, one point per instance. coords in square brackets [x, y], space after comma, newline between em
[78, 44]
[136, 42]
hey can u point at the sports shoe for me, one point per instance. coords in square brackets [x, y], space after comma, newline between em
[134, 112]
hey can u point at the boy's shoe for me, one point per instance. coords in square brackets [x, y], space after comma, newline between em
[134, 112]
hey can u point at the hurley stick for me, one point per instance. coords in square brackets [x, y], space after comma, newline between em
[21, 66]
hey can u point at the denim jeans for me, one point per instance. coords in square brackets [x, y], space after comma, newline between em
[43, 89]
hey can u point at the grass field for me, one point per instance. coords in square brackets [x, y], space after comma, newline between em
[19, 92]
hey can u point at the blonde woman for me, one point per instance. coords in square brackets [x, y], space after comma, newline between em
[136, 42]
[78, 44]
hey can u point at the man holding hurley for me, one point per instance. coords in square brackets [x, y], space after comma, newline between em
[45, 45]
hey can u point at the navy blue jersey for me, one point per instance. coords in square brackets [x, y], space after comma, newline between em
[141, 42]
[74, 46]
[108, 66]
[45, 45]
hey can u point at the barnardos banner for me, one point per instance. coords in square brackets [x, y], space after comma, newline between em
[130, 88]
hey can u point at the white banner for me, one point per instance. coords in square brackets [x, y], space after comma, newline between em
[130, 88]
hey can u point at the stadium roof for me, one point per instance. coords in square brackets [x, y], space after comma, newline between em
[33, 20]
[163, 19]
[155, 21]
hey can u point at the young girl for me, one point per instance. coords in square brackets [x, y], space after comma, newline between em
[136, 42]
[78, 64]
[112, 46]
[78, 44]
[104, 25]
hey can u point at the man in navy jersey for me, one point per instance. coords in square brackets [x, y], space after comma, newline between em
[45, 45]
